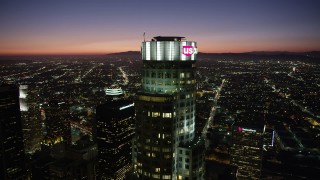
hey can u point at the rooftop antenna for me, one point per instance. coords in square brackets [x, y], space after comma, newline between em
[144, 36]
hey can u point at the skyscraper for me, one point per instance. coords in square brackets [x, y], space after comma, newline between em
[57, 119]
[114, 134]
[12, 162]
[31, 119]
[247, 147]
[164, 143]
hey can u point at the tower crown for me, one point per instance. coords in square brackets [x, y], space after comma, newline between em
[169, 48]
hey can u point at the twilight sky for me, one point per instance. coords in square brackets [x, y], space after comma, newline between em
[104, 26]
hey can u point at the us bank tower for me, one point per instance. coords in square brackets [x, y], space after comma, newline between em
[165, 146]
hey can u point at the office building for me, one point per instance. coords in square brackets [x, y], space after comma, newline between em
[12, 162]
[114, 132]
[247, 148]
[165, 110]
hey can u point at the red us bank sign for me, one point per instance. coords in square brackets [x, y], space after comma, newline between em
[188, 50]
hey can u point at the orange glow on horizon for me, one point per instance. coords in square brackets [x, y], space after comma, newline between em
[114, 46]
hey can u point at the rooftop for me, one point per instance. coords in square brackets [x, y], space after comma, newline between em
[116, 105]
[8, 87]
[168, 38]
[197, 142]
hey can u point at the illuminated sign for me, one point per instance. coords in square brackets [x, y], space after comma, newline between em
[188, 50]
[240, 129]
[169, 50]
[249, 130]
[125, 107]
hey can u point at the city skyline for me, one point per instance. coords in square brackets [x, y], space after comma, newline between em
[100, 27]
[281, 90]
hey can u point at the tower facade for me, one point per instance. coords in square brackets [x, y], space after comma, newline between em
[12, 162]
[165, 108]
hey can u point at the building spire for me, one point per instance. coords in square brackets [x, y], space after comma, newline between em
[144, 36]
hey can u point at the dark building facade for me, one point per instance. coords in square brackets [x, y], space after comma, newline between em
[57, 120]
[165, 111]
[12, 162]
[114, 132]
[79, 162]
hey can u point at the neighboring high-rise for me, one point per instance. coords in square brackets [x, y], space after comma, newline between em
[164, 146]
[31, 119]
[114, 131]
[247, 147]
[12, 162]
[57, 120]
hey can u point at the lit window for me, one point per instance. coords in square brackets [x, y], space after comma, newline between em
[165, 150]
[155, 114]
[187, 172]
[157, 169]
[166, 115]
[166, 176]
[156, 176]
